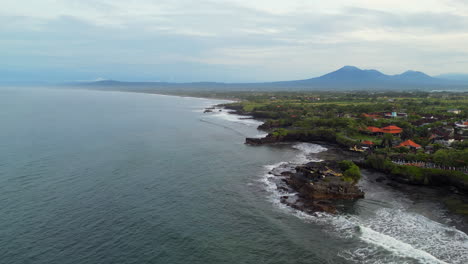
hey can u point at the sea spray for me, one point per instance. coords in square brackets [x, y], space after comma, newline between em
[392, 235]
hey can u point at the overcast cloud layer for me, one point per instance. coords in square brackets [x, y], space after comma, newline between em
[227, 40]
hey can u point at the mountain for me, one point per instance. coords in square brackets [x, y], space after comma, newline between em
[414, 77]
[454, 76]
[351, 74]
[345, 78]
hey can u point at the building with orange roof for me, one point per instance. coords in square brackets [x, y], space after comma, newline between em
[462, 125]
[374, 129]
[392, 130]
[409, 144]
[367, 142]
[373, 116]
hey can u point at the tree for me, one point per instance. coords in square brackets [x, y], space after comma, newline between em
[387, 140]
[442, 157]
[351, 172]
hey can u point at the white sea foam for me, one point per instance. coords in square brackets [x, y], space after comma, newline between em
[271, 182]
[424, 242]
[424, 235]
[309, 148]
[389, 235]
[261, 135]
[396, 247]
[306, 149]
[229, 116]
[206, 103]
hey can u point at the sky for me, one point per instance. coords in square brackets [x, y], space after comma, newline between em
[227, 40]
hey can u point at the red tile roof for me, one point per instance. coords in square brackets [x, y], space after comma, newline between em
[374, 116]
[409, 143]
[367, 142]
[392, 130]
[374, 129]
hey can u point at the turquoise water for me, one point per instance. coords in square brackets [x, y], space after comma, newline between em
[111, 177]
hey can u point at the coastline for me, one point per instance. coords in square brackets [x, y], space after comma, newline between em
[340, 150]
[238, 111]
[318, 191]
[202, 181]
[440, 180]
[337, 152]
[397, 219]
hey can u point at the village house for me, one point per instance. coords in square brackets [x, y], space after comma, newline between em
[461, 130]
[375, 131]
[462, 125]
[425, 120]
[372, 116]
[442, 135]
[395, 115]
[392, 130]
[367, 144]
[409, 144]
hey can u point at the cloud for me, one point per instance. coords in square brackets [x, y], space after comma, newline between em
[231, 40]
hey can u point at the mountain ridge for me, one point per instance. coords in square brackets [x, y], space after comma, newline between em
[345, 78]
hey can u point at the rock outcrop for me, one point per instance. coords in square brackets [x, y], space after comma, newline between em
[318, 186]
[292, 137]
[323, 181]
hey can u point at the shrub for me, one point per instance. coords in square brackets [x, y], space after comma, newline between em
[351, 171]
[345, 164]
[353, 174]
[280, 132]
[379, 162]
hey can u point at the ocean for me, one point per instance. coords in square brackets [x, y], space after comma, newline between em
[115, 177]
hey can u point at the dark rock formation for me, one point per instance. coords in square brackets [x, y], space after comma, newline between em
[292, 137]
[323, 181]
[261, 141]
[318, 186]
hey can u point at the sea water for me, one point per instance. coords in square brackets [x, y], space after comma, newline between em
[114, 177]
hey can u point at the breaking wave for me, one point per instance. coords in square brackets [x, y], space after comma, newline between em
[227, 115]
[389, 234]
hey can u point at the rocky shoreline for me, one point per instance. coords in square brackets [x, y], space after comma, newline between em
[310, 204]
[318, 184]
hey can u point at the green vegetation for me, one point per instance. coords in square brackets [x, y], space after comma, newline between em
[351, 171]
[436, 149]
[425, 176]
[456, 205]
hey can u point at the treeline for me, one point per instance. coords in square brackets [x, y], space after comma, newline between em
[315, 134]
[417, 175]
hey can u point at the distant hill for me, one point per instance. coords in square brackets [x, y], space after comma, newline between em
[354, 75]
[454, 76]
[415, 77]
[345, 78]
